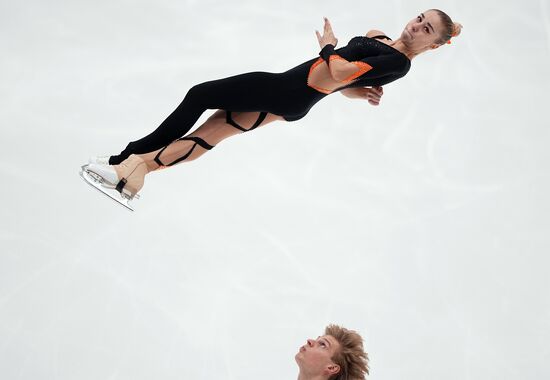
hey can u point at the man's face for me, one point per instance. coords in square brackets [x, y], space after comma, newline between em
[314, 357]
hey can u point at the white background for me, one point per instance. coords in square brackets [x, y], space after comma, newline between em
[422, 223]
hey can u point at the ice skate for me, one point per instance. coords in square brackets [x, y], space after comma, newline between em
[100, 160]
[121, 182]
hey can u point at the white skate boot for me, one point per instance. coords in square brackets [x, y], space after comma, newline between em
[100, 160]
[121, 182]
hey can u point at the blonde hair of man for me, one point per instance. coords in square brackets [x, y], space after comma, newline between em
[352, 358]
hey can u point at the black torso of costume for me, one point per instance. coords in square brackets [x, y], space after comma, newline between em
[386, 65]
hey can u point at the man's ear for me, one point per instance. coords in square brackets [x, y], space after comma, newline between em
[333, 369]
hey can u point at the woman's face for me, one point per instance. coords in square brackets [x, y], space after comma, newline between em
[423, 31]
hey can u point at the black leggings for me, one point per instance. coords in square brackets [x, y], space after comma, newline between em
[285, 94]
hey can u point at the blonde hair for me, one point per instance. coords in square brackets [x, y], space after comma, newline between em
[352, 358]
[450, 28]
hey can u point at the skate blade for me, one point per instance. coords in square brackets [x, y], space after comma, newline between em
[97, 182]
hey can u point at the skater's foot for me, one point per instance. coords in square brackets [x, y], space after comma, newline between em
[127, 178]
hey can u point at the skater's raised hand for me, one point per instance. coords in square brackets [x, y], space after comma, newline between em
[328, 35]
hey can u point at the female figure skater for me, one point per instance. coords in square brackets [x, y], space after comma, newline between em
[247, 101]
[337, 355]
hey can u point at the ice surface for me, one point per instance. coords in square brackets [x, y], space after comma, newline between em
[422, 223]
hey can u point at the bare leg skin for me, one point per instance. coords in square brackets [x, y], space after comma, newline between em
[213, 131]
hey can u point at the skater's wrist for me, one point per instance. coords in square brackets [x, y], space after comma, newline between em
[326, 52]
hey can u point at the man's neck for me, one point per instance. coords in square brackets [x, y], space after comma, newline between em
[305, 377]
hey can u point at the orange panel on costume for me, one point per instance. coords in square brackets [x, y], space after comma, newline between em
[320, 78]
[363, 68]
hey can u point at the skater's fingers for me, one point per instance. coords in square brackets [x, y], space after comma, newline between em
[327, 26]
[374, 90]
[374, 102]
[372, 96]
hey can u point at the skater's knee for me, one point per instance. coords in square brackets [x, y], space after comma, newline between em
[197, 92]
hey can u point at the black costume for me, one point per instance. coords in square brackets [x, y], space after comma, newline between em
[287, 94]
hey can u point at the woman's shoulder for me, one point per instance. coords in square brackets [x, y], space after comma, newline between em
[374, 32]
[377, 34]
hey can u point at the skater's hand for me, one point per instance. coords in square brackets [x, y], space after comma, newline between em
[372, 94]
[328, 35]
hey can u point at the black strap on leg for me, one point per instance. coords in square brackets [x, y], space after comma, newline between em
[120, 185]
[196, 140]
[199, 141]
[229, 120]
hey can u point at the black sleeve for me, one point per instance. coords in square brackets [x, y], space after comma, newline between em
[387, 64]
